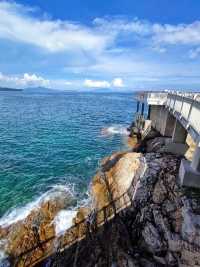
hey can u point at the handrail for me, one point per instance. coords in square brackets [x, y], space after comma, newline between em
[185, 107]
[107, 212]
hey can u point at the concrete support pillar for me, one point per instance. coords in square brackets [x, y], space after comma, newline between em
[142, 110]
[189, 173]
[195, 164]
[179, 133]
[149, 112]
[167, 122]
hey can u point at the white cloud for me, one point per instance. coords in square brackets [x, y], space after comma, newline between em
[18, 24]
[26, 80]
[96, 84]
[118, 82]
[116, 26]
[194, 53]
[34, 80]
[67, 83]
[137, 50]
[184, 34]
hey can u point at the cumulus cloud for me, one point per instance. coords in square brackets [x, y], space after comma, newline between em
[184, 34]
[96, 84]
[107, 48]
[118, 82]
[118, 26]
[26, 80]
[18, 24]
[33, 80]
[194, 53]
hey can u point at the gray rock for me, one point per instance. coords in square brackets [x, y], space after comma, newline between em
[152, 238]
[159, 193]
[191, 224]
[170, 259]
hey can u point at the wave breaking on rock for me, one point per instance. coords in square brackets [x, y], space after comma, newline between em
[115, 129]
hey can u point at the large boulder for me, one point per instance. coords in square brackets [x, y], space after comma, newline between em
[117, 174]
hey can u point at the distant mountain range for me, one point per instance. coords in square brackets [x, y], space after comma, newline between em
[5, 89]
[39, 90]
[29, 90]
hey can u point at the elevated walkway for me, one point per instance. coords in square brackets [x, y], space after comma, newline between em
[176, 114]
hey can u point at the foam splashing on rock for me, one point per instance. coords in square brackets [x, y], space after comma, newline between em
[63, 221]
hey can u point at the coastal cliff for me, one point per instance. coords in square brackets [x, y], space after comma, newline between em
[159, 227]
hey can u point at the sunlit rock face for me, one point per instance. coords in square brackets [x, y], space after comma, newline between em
[117, 175]
[39, 224]
[36, 227]
[192, 145]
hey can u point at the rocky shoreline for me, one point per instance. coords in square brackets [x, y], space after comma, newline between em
[159, 228]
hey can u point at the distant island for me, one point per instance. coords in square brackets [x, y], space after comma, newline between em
[28, 89]
[39, 90]
[9, 89]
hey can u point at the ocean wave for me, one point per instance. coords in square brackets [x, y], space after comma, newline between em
[63, 220]
[115, 129]
[20, 213]
[3, 257]
[4, 262]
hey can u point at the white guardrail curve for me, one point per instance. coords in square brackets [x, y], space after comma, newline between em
[185, 106]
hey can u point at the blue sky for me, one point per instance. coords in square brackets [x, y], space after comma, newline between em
[119, 45]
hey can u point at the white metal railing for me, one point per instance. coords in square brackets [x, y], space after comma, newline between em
[152, 98]
[184, 105]
[187, 107]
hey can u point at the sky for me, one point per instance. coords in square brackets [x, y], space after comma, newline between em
[93, 44]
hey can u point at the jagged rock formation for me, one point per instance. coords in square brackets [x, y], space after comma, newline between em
[160, 228]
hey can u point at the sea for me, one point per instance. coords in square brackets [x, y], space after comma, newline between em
[52, 141]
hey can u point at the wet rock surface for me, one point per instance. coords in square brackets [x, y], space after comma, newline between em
[160, 228]
[37, 227]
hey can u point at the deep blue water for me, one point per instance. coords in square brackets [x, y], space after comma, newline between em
[49, 139]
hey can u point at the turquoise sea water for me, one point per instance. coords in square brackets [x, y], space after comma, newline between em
[57, 139]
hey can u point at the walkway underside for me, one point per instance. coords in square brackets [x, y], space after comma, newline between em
[175, 115]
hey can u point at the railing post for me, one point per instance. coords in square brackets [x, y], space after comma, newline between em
[175, 97]
[142, 110]
[138, 106]
[182, 106]
[191, 106]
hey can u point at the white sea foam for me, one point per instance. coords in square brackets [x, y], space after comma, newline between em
[3, 257]
[20, 213]
[63, 221]
[115, 129]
